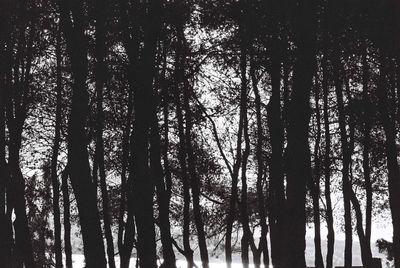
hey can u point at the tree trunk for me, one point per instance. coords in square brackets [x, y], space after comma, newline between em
[387, 119]
[263, 244]
[16, 112]
[277, 199]
[100, 74]
[142, 184]
[179, 76]
[127, 230]
[67, 217]
[315, 183]
[298, 151]
[54, 176]
[246, 236]
[78, 158]
[367, 147]
[194, 179]
[346, 159]
[5, 219]
[366, 254]
[162, 195]
[327, 168]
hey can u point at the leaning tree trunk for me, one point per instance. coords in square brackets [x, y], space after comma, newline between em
[78, 158]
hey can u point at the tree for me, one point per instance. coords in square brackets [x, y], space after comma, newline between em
[78, 159]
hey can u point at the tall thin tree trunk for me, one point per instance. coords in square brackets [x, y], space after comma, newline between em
[182, 149]
[100, 74]
[67, 218]
[277, 199]
[387, 119]
[263, 244]
[243, 106]
[194, 178]
[126, 230]
[5, 220]
[162, 194]
[54, 176]
[327, 168]
[346, 158]
[315, 183]
[367, 147]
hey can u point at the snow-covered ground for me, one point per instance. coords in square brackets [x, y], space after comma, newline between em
[217, 259]
[78, 262]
